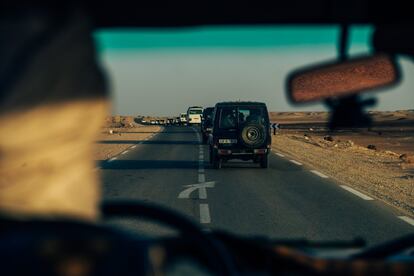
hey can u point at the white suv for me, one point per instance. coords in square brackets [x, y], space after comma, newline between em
[183, 118]
[194, 115]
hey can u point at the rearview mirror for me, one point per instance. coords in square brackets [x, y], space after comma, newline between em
[339, 79]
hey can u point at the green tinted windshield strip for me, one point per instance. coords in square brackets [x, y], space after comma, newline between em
[221, 37]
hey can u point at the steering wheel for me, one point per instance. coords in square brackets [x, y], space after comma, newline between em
[218, 258]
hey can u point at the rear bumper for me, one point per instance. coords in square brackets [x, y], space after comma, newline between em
[236, 153]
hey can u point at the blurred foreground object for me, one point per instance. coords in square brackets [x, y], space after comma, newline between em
[53, 101]
[343, 78]
[339, 84]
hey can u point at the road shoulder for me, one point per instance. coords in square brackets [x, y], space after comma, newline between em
[113, 141]
[378, 174]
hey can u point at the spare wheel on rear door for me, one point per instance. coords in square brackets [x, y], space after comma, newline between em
[253, 135]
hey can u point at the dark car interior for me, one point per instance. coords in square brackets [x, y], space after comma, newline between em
[47, 57]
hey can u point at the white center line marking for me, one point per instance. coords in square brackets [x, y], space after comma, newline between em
[125, 152]
[296, 162]
[204, 213]
[279, 154]
[201, 178]
[355, 192]
[407, 219]
[112, 159]
[319, 174]
[134, 146]
[202, 193]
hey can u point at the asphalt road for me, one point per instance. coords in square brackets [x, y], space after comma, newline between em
[287, 200]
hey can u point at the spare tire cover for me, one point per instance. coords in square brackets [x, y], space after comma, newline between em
[253, 135]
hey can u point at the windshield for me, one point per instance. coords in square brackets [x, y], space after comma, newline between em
[195, 111]
[294, 179]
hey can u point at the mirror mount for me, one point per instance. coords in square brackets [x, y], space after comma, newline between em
[348, 111]
[343, 42]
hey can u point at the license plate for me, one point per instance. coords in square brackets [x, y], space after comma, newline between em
[227, 141]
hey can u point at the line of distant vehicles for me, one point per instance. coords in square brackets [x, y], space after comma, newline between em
[232, 130]
[193, 116]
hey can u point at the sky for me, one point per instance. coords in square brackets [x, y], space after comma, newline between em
[162, 72]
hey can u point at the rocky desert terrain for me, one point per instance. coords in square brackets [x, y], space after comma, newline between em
[378, 160]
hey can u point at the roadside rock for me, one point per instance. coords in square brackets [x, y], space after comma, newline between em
[328, 138]
[408, 159]
[349, 143]
[391, 153]
[116, 119]
[372, 147]
[127, 121]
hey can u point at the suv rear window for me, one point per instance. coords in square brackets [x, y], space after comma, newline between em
[251, 114]
[228, 118]
[232, 117]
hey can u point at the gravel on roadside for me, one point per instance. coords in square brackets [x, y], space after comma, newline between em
[381, 174]
[112, 141]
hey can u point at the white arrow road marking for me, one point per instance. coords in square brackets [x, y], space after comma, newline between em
[202, 193]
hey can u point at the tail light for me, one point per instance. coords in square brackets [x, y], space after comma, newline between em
[224, 152]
